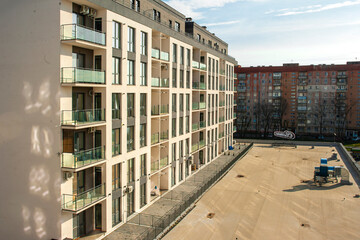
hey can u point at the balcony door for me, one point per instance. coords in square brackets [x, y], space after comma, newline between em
[97, 104]
[78, 60]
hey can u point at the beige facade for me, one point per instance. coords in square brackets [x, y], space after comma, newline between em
[129, 108]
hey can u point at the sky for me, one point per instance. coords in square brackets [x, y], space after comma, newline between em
[273, 32]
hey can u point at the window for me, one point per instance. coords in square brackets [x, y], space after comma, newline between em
[142, 104]
[130, 203]
[130, 105]
[181, 102]
[187, 79]
[143, 43]
[198, 37]
[143, 75]
[116, 70]
[181, 79]
[130, 138]
[174, 102]
[187, 124]
[116, 35]
[131, 170]
[143, 170]
[187, 102]
[116, 176]
[156, 15]
[174, 81]
[187, 147]
[173, 152]
[116, 211]
[181, 172]
[143, 135]
[116, 112]
[173, 180]
[173, 128]
[181, 126]
[177, 26]
[188, 57]
[142, 195]
[170, 24]
[135, 5]
[131, 39]
[182, 55]
[130, 74]
[116, 147]
[174, 53]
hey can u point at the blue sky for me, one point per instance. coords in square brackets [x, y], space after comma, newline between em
[273, 32]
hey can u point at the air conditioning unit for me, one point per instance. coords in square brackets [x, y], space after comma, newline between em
[85, 10]
[68, 175]
[129, 189]
[92, 130]
[92, 13]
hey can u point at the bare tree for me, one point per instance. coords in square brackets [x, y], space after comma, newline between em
[280, 108]
[267, 115]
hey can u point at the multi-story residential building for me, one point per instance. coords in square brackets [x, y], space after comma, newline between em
[310, 100]
[117, 102]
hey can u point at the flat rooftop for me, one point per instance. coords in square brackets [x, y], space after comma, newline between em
[275, 199]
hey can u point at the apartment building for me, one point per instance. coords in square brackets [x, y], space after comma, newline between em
[316, 100]
[118, 101]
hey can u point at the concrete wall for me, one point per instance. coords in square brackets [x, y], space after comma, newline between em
[29, 119]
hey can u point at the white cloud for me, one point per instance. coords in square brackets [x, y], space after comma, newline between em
[220, 23]
[190, 7]
[312, 8]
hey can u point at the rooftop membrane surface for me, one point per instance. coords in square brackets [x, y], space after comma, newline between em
[275, 199]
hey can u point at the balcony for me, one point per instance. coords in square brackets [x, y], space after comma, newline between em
[76, 32]
[202, 105]
[71, 75]
[164, 56]
[155, 138]
[155, 53]
[82, 158]
[164, 162]
[82, 117]
[202, 124]
[201, 144]
[164, 135]
[221, 119]
[77, 202]
[194, 147]
[202, 66]
[277, 83]
[221, 103]
[195, 106]
[221, 134]
[199, 85]
[195, 126]
[196, 64]
[222, 87]
[159, 164]
[159, 109]
[160, 82]
[164, 109]
[222, 71]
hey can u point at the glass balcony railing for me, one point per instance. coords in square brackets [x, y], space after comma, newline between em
[195, 106]
[202, 86]
[116, 149]
[155, 82]
[76, 32]
[155, 53]
[164, 135]
[82, 158]
[199, 85]
[195, 64]
[202, 105]
[164, 109]
[222, 87]
[79, 201]
[202, 124]
[221, 119]
[164, 56]
[195, 126]
[203, 66]
[164, 82]
[155, 166]
[221, 103]
[77, 75]
[163, 162]
[155, 110]
[221, 135]
[155, 138]
[222, 71]
[194, 147]
[201, 144]
[79, 117]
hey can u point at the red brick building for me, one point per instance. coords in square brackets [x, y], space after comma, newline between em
[315, 100]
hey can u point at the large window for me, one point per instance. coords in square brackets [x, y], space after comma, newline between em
[174, 102]
[177, 26]
[116, 137]
[131, 73]
[131, 39]
[116, 211]
[187, 79]
[173, 128]
[130, 105]
[143, 135]
[181, 79]
[174, 52]
[187, 124]
[142, 104]
[156, 15]
[182, 55]
[181, 126]
[135, 5]
[174, 80]
[116, 103]
[181, 102]
[143, 75]
[116, 70]
[173, 152]
[142, 195]
[188, 53]
[143, 170]
[130, 203]
[116, 35]
[130, 138]
[143, 43]
[187, 102]
[131, 170]
[116, 176]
